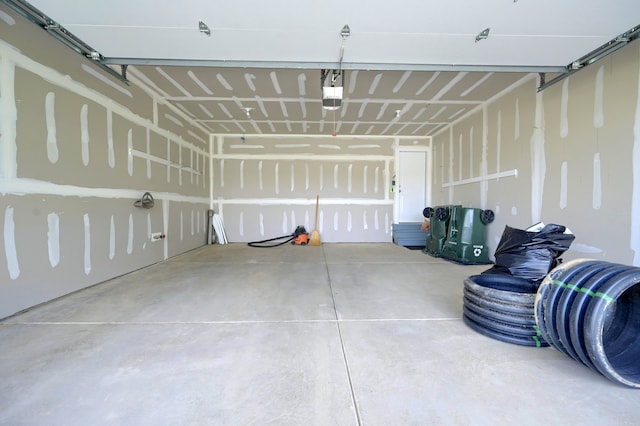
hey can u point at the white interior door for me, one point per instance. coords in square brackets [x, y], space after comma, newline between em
[412, 185]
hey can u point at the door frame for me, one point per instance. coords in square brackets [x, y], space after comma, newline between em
[427, 177]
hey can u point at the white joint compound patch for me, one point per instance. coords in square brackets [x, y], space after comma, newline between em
[306, 176]
[516, 126]
[387, 225]
[261, 224]
[181, 169]
[241, 174]
[365, 176]
[148, 153]
[10, 244]
[181, 225]
[484, 167]
[471, 157]
[293, 178]
[50, 117]
[165, 226]
[376, 181]
[564, 171]
[8, 119]
[112, 153]
[460, 157]
[538, 162]
[112, 239]
[87, 244]
[149, 229]
[84, 133]
[450, 168]
[169, 161]
[499, 142]
[53, 239]
[130, 236]
[222, 173]
[4, 17]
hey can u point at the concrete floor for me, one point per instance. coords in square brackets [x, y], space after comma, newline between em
[342, 334]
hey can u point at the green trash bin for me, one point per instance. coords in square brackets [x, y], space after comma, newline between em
[438, 224]
[466, 236]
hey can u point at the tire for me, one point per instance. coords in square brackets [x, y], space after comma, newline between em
[427, 212]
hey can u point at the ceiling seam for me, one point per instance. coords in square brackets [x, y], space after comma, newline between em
[488, 102]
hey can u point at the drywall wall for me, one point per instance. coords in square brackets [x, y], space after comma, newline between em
[265, 186]
[568, 155]
[77, 148]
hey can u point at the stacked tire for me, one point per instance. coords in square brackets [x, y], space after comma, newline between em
[502, 307]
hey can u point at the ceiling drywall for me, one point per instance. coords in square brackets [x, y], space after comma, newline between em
[411, 66]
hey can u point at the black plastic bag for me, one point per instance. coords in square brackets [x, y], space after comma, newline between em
[530, 254]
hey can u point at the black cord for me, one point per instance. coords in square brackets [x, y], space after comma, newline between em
[256, 244]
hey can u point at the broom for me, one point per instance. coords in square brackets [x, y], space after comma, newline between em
[315, 235]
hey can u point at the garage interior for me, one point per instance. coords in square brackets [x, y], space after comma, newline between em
[530, 109]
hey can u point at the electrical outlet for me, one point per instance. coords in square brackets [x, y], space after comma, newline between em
[157, 236]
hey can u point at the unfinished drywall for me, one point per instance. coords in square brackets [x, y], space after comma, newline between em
[77, 149]
[568, 155]
[265, 186]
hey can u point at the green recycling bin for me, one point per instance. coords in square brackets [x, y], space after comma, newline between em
[466, 236]
[438, 224]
